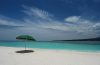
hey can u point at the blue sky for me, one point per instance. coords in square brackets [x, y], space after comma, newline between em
[50, 19]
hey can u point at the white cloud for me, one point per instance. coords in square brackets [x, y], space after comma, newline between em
[96, 25]
[9, 22]
[37, 13]
[72, 19]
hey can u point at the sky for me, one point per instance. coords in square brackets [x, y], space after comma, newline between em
[48, 20]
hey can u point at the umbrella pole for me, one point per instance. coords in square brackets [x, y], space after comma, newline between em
[25, 46]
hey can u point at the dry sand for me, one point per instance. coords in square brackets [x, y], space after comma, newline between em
[47, 57]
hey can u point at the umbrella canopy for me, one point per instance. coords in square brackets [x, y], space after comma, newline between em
[25, 37]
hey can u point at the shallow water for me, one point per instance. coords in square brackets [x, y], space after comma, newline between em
[69, 45]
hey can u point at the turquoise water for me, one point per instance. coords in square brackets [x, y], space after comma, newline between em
[72, 45]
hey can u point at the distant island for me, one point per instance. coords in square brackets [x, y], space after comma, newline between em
[89, 39]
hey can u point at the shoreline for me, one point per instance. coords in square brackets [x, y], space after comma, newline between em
[82, 51]
[8, 56]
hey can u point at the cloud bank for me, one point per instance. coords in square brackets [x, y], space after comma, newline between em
[45, 27]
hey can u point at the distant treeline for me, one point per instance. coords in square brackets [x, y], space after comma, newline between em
[89, 39]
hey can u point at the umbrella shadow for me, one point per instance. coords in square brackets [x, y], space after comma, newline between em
[25, 51]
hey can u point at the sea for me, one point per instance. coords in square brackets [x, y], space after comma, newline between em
[93, 46]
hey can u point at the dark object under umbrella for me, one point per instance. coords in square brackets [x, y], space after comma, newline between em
[25, 38]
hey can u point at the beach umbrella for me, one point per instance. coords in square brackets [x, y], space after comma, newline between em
[25, 38]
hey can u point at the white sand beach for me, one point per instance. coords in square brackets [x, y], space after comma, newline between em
[8, 56]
